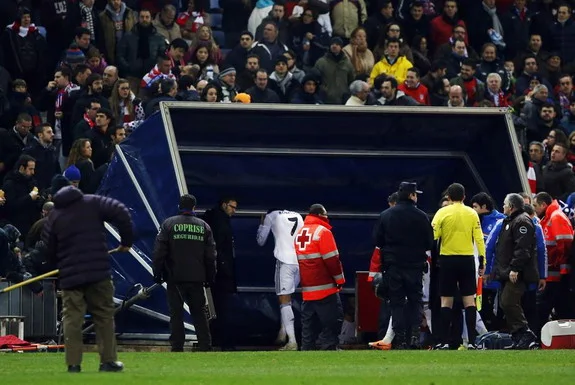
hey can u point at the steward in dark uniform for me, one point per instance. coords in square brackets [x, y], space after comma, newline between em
[185, 257]
[404, 236]
[515, 265]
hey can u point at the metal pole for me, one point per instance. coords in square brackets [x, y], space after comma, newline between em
[29, 281]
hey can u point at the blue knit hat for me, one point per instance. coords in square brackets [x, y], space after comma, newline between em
[72, 174]
[74, 55]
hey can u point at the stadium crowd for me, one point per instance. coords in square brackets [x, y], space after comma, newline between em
[77, 76]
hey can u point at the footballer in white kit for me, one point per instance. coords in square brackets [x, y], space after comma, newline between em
[284, 225]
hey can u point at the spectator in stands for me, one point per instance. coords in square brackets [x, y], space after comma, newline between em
[186, 90]
[81, 41]
[562, 34]
[392, 64]
[459, 33]
[297, 73]
[117, 20]
[456, 97]
[204, 36]
[203, 58]
[23, 200]
[20, 101]
[27, 50]
[92, 91]
[168, 89]
[358, 53]
[442, 25]
[455, 59]
[336, 72]
[391, 96]
[126, 108]
[165, 23]
[420, 51]
[72, 175]
[347, 16]
[227, 83]
[282, 81]
[412, 87]
[359, 91]
[212, 93]
[278, 16]
[246, 78]
[516, 27]
[269, 48]
[139, 49]
[416, 23]
[552, 67]
[150, 81]
[474, 88]
[558, 177]
[35, 233]
[96, 61]
[109, 78]
[13, 141]
[237, 57]
[260, 92]
[568, 120]
[309, 92]
[494, 93]
[55, 20]
[82, 14]
[533, 49]
[393, 31]
[489, 64]
[81, 157]
[530, 69]
[485, 26]
[439, 92]
[117, 135]
[436, 73]
[538, 114]
[308, 40]
[176, 52]
[555, 136]
[100, 137]
[45, 154]
[376, 25]
[88, 122]
[565, 93]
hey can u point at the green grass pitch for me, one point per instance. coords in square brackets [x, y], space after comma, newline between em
[302, 368]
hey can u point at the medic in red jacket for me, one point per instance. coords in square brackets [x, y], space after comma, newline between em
[319, 265]
[558, 238]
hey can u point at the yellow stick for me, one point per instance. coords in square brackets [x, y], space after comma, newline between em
[29, 281]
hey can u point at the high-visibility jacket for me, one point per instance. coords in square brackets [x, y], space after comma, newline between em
[375, 264]
[318, 258]
[558, 238]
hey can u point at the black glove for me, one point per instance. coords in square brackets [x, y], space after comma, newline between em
[158, 278]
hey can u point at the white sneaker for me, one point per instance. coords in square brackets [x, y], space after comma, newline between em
[290, 346]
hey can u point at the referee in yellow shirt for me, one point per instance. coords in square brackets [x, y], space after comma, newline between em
[456, 227]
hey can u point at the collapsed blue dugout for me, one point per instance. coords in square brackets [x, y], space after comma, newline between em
[287, 156]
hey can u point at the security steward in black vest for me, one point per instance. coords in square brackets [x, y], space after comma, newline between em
[404, 236]
[185, 257]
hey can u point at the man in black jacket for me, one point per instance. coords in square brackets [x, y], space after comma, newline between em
[218, 218]
[185, 257]
[404, 237]
[75, 240]
[515, 265]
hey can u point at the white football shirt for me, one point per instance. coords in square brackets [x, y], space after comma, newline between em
[285, 225]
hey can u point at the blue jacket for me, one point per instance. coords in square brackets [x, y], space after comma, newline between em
[491, 243]
[488, 221]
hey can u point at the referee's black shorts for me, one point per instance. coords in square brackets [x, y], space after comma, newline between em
[457, 272]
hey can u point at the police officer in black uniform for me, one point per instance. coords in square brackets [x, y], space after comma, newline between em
[185, 257]
[404, 236]
[515, 265]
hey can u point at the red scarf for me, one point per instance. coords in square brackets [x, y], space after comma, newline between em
[90, 122]
[16, 27]
[471, 90]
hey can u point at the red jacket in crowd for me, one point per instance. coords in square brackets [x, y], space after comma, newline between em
[558, 238]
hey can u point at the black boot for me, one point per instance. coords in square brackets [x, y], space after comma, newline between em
[115, 366]
[415, 339]
[74, 368]
[399, 342]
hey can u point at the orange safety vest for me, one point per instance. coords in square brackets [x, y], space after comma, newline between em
[318, 258]
[558, 238]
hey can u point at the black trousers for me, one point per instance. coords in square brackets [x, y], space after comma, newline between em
[222, 331]
[192, 293]
[406, 300]
[321, 322]
[556, 296]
